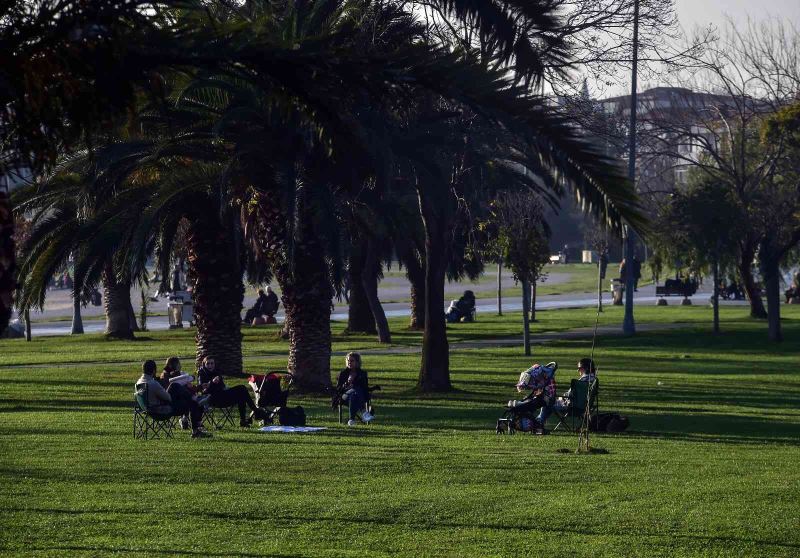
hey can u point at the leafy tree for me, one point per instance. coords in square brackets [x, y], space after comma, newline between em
[700, 226]
[516, 231]
[779, 208]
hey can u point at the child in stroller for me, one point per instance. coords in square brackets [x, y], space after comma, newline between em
[530, 413]
[269, 393]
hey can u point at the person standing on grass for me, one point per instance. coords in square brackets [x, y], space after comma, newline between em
[173, 402]
[213, 385]
[353, 385]
[637, 272]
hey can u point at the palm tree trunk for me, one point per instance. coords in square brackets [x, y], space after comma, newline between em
[116, 301]
[132, 315]
[434, 374]
[306, 291]
[307, 304]
[77, 320]
[215, 271]
[748, 283]
[369, 278]
[7, 261]
[359, 315]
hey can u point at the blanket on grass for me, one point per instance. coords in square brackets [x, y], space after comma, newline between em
[276, 428]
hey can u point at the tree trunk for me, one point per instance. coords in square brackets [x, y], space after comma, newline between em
[771, 272]
[416, 277]
[526, 327]
[7, 261]
[715, 298]
[748, 283]
[533, 300]
[77, 321]
[307, 298]
[499, 288]
[599, 287]
[359, 315]
[116, 303]
[434, 374]
[27, 319]
[369, 279]
[132, 315]
[215, 271]
[306, 291]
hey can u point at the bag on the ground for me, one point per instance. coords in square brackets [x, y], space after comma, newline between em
[609, 422]
[288, 416]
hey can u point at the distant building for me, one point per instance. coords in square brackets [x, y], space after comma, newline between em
[676, 126]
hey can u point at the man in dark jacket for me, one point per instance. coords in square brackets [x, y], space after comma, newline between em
[258, 308]
[270, 307]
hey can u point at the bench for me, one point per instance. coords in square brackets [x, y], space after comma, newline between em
[674, 287]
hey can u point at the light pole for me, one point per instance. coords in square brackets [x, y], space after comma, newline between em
[628, 323]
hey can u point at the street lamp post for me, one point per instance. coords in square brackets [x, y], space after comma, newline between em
[628, 323]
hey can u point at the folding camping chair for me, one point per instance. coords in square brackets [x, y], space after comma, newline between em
[219, 417]
[367, 403]
[571, 418]
[147, 425]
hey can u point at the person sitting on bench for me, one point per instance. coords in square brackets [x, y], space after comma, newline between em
[353, 385]
[172, 402]
[258, 308]
[542, 383]
[213, 385]
[271, 303]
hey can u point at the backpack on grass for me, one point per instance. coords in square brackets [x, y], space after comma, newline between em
[288, 416]
[609, 422]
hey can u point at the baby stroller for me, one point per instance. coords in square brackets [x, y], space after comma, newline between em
[523, 415]
[519, 416]
[270, 392]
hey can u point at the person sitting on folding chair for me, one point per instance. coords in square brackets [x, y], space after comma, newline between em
[587, 372]
[542, 383]
[353, 387]
[213, 385]
[171, 402]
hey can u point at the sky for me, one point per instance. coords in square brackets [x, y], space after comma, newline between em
[703, 12]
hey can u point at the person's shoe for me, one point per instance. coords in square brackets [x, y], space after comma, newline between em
[366, 416]
[200, 434]
[352, 422]
[245, 423]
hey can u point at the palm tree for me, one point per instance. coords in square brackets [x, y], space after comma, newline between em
[61, 204]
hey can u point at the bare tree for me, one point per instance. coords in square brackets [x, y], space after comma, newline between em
[713, 124]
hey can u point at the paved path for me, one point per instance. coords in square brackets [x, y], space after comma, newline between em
[646, 295]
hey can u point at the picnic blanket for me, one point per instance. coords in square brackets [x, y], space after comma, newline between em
[276, 428]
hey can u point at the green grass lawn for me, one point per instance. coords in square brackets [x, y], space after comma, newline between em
[708, 468]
